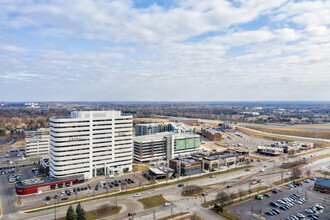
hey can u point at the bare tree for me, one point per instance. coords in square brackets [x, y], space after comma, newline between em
[295, 173]
[308, 173]
[222, 198]
[241, 193]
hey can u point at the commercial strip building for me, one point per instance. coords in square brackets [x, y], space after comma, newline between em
[165, 146]
[90, 143]
[212, 133]
[31, 186]
[269, 150]
[186, 166]
[37, 142]
[154, 128]
[158, 173]
[322, 185]
[199, 162]
[279, 148]
[229, 157]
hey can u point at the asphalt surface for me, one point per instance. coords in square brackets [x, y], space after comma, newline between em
[259, 207]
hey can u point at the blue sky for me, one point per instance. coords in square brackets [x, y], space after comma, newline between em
[192, 50]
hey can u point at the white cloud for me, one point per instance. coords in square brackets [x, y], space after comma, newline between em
[192, 50]
[11, 48]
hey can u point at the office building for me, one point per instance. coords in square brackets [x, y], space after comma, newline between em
[154, 128]
[165, 146]
[91, 143]
[37, 142]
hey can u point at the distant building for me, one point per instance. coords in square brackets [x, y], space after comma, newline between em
[165, 146]
[154, 128]
[211, 133]
[279, 148]
[322, 185]
[37, 142]
[270, 150]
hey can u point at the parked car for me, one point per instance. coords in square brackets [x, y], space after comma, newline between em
[181, 185]
[212, 176]
[167, 204]
[131, 213]
[274, 191]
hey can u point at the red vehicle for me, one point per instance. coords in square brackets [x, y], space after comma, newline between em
[131, 213]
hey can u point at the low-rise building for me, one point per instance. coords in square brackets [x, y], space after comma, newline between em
[322, 185]
[165, 146]
[38, 185]
[37, 142]
[186, 166]
[217, 160]
[158, 173]
[211, 133]
[270, 150]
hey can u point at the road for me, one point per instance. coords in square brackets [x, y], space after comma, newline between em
[283, 126]
[282, 135]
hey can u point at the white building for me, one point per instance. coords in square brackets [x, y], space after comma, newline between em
[165, 146]
[91, 143]
[154, 128]
[37, 142]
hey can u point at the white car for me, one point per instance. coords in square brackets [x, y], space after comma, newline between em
[137, 195]
[62, 192]
[212, 176]
[167, 204]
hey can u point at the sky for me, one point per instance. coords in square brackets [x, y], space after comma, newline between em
[166, 50]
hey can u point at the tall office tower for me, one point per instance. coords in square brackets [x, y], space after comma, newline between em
[37, 142]
[91, 143]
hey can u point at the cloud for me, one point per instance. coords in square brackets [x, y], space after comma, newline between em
[188, 50]
[11, 48]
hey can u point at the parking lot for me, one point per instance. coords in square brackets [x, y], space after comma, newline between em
[90, 188]
[256, 209]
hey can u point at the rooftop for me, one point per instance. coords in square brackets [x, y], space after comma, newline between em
[323, 182]
[161, 135]
[41, 181]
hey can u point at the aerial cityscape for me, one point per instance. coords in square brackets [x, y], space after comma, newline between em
[167, 110]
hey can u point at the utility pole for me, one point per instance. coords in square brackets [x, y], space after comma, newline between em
[116, 200]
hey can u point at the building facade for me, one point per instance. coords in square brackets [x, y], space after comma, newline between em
[322, 185]
[37, 142]
[154, 128]
[186, 166]
[211, 133]
[165, 146]
[270, 150]
[91, 143]
[32, 186]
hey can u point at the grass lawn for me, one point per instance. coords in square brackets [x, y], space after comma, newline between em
[138, 167]
[275, 137]
[152, 201]
[20, 143]
[293, 131]
[93, 214]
